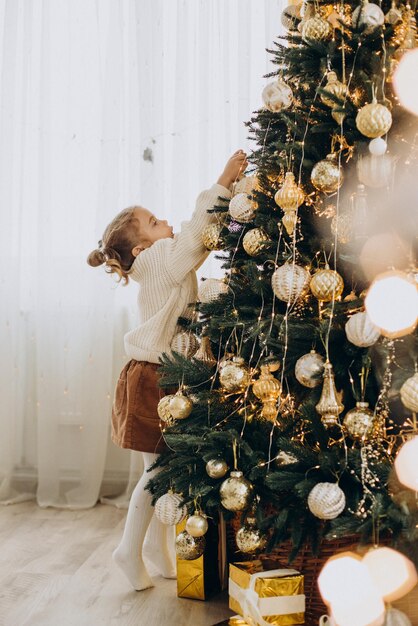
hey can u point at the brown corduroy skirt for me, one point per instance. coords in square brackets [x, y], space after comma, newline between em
[135, 421]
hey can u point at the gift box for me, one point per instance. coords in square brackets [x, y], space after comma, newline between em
[265, 597]
[202, 578]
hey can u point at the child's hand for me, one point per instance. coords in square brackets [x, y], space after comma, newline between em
[234, 169]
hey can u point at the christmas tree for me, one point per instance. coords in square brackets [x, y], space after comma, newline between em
[303, 389]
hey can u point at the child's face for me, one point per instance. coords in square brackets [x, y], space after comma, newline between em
[151, 228]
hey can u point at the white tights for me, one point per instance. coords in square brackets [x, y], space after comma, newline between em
[133, 545]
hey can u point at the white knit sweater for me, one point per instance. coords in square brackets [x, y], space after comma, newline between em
[166, 273]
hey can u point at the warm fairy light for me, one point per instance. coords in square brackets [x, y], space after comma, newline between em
[392, 304]
[347, 588]
[405, 83]
[406, 464]
[393, 574]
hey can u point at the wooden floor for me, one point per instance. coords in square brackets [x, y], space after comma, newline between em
[56, 570]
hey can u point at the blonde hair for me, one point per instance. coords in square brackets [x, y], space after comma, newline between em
[115, 247]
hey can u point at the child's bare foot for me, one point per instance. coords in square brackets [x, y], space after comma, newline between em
[134, 569]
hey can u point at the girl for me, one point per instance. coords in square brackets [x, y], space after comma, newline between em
[137, 245]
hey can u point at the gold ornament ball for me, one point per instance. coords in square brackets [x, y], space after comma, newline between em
[180, 406]
[360, 422]
[253, 241]
[211, 237]
[277, 96]
[216, 468]
[189, 548]
[236, 492]
[335, 88]
[326, 175]
[316, 29]
[326, 285]
[163, 408]
[197, 525]
[290, 282]
[250, 540]
[234, 376]
[409, 393]
[309, 369]
[374, 120]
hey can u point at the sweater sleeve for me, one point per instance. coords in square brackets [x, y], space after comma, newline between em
[186, 251]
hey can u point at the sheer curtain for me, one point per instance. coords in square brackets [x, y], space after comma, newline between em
[104, 103]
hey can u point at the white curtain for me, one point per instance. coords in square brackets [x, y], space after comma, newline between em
[104, 103]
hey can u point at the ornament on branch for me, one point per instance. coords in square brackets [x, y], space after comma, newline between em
[210, 290]
[163, 409]
[361, 423]
[374, 119]
[277, 96]
[250, 539]
[205, 353]
[180, 406]
[361, 331]
[290, 282]
[211, 237]
[285, 458]
[291, 16]
[246, 185]
[289, 198]
[409, 393]
[216, 468]
[326, 501]
[327, 176]
[242, 208]
[316, 29]
[394, 15]
[368, 16]
[197, 524]
[378, 146]
[342, 227]
[254, 241]
[267, 389]
[309, 369]
[236, 492]
[234, 375]
[329, 406]
[186, 343]
[169, 509]
[326, 285]
[334, 87]
[189, 548]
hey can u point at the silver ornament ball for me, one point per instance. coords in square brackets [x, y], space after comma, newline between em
[216, 468]
[189, 548]
[250, 540]
[236, 492]
[309, 369]
[197, 525]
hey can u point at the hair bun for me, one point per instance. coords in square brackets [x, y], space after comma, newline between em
[96, 258]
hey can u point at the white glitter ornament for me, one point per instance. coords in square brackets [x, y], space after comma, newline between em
[374, 119]
[186, 343]
[368, 15]
[326, 500]
[277, 96]
[309, 369]
[241, 208]
[290, 282]
[409, 393]
[361, 331]
[210, 289]
[245, 185]
[169, 510]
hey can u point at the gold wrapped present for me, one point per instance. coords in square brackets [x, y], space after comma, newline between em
[266, 597]
[203, 577]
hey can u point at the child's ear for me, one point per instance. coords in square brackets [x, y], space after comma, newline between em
[135, 251]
